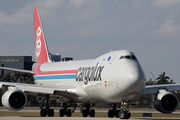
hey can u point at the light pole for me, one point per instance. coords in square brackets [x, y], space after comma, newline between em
[152, 96]
[153, 77]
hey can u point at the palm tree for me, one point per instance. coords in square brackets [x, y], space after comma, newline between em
[162, 79]
[171, 82]
[29, 79]
[150, 82]
[17, 77]
[6, 77]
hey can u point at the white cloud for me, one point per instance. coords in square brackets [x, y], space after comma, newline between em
[83, 15]
[77, 3]
[21, 16]
[24, 14]
[165, 3]
[169, 28]
[51, 3]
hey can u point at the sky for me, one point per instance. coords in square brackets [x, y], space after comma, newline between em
[86, 29]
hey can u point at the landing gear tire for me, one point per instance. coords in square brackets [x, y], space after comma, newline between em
[61, 113]
[128, 115]
[68, 113]
[122, 114]
[117, 113]
[92, 113]
[43, 113]
[111, 113]
[50, 112]
[46, 105]
[85, 113]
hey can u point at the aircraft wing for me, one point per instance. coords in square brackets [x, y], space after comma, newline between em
[17, 70]
[151, 89]
[66, 91]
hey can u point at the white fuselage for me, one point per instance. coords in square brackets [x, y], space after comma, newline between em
[113, 77]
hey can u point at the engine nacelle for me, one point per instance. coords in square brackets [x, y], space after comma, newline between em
[166, 102]
[14, 99]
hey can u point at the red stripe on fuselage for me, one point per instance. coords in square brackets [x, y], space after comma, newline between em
[37, 71]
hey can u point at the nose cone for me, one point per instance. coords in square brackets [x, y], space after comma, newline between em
[137, 79]
[136, 76]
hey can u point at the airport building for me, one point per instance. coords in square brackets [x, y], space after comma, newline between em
[19, 62]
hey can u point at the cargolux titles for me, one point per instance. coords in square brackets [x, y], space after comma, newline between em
[89, 74]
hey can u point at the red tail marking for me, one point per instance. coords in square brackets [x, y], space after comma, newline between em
[40, 44]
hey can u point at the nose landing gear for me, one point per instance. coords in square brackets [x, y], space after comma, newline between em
[123, 113]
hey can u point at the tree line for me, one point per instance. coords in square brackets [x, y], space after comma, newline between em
[17, 77]
[161, 79]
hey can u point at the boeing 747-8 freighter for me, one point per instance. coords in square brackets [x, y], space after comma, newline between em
[113, 78]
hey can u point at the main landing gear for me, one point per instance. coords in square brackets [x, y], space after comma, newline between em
[87, 111]
[66, 111]
[47, 111]
[50, 112]
[123, 113]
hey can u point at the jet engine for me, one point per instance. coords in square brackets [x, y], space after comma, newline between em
[165, 102]
[14, 99]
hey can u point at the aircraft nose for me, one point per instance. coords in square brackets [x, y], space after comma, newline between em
[136, 76]
[137, 81]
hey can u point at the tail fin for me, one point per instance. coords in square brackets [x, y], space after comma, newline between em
[42, 54]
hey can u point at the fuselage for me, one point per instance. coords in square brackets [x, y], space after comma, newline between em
[113, 77]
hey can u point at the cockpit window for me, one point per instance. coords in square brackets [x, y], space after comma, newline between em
[128, 57]
[122, 57]
[134, 57]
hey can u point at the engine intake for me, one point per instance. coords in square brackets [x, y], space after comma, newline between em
[166, 102]
[14, 99]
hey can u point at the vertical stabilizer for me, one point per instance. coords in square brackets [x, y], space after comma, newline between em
[42, 54]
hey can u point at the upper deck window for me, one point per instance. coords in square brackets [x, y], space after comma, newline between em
[128, 57]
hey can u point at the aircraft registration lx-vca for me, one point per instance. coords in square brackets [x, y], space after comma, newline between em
[115, 77]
